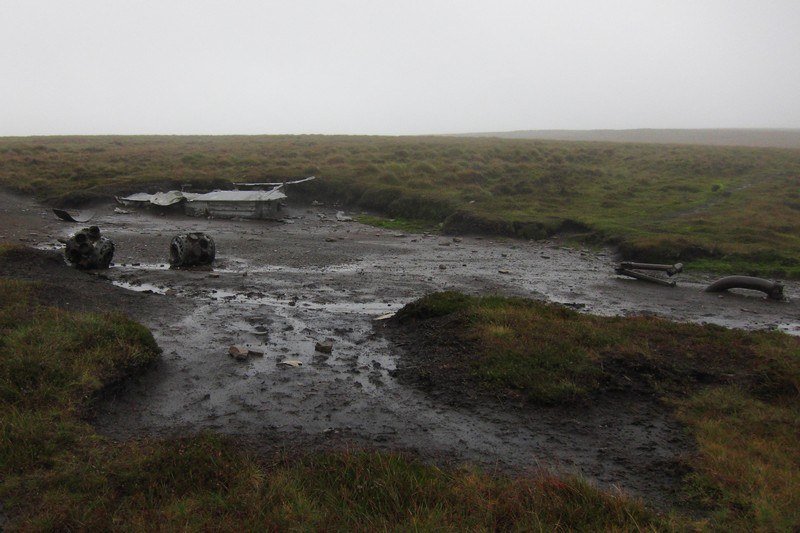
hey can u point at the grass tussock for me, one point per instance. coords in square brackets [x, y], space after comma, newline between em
[207, 483]
[738, 392]
[657, 202]
[398, 224]
[57, 474]
[51, 364]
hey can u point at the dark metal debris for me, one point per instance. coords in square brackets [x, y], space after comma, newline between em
[192, 249]
[87, 249]
[77, 217]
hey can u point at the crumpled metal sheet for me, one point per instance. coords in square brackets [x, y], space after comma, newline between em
[173, 197]
[170, 197]
[240, 196]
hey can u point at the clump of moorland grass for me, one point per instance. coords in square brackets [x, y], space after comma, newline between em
[399, 224]
[737, 392]
[51, 363]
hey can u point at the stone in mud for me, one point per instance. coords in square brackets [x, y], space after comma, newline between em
[87, 249]
[192, 249]
[324, 347]
[237, 352]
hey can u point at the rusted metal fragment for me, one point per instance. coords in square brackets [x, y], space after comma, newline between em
[644, 277]
[772, 289]
[192, 249]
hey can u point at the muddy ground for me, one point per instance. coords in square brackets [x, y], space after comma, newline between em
[279, 288]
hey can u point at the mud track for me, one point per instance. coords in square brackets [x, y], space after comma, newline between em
[281, 287]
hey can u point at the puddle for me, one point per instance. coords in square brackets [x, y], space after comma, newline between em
[791, 329]
[140, 287]
[49, 246]
[141, 266]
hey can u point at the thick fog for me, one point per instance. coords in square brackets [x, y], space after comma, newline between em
[395, 67]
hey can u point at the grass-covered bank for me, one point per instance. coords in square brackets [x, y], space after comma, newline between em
[56, 473]
[739, 208]
[737, 392]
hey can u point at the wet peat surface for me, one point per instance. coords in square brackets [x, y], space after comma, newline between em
[279, 288]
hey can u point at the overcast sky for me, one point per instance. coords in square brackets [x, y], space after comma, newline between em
[395, 67]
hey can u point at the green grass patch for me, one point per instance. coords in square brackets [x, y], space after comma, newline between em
[738, 392]
[56, 473]
[740, 206]
[774, 269]
[399, 224]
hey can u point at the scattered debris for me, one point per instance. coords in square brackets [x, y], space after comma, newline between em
[87, 249]
[77, 217]
[773, 289]
[291, 362]
[387, 316]
[324, 347]
[341, 217]
[192, 249]
[628, 268]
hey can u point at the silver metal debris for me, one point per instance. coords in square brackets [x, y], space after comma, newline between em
[773, 289]
[629, 268]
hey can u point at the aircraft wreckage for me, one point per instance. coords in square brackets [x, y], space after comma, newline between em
[88, 250]
[255, 204]
[192, 249]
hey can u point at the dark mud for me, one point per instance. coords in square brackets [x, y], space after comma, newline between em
[279, 288]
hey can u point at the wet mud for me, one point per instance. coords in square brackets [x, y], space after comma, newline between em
[279, 288]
